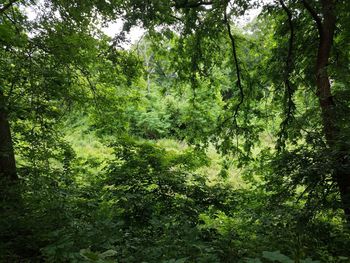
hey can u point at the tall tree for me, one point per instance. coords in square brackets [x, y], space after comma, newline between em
[325, 20]
[7, 156]
[10, 36]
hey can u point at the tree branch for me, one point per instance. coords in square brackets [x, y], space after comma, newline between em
[7, 6]
[91, 85]
[288, 69]
[187, 4]
[314, 15]
[238, 71]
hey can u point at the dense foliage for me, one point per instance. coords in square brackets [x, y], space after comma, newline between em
[208, 140]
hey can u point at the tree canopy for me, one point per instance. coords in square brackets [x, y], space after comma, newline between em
[207, 140]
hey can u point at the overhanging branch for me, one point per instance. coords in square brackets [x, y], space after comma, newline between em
[191, 4]
[236, 62]
[314, 15]
[7, 6]
[288, 69]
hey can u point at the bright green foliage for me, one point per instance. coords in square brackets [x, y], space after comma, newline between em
[118, 150]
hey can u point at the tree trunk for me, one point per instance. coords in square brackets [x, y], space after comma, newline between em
[342, 176]
[7, 156]
[329, 115]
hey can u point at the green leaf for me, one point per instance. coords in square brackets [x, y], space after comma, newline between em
[108, 253]
[181, 260]
[277, 256]
[253, 260]
[309, 260]
[89, 255]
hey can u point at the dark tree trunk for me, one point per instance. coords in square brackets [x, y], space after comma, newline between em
[7, 156]
[342, 177]
[326, 27]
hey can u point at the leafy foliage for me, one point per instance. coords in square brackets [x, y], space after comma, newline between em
[203, 142]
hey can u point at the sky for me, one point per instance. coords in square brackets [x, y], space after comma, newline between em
[115, 28]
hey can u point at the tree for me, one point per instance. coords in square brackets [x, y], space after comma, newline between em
[320, 70]
[39, 69]
[205, 20]
[201, 24]
[326, 21]
[11, 38]
[7, 156]
[48, 64]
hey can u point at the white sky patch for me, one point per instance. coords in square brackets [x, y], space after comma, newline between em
[115, 28]
[251, 14]
[31, 11]
[248, 17]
